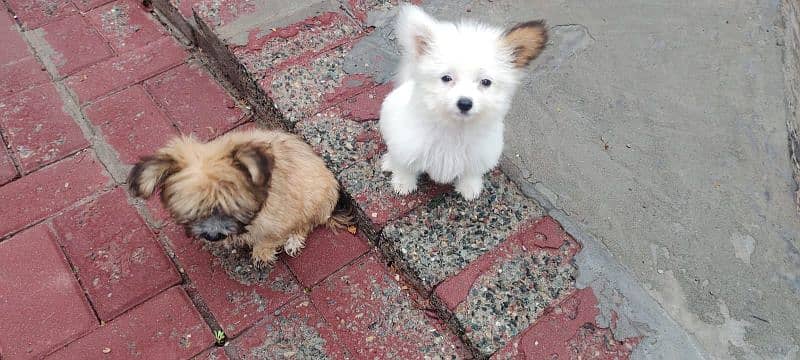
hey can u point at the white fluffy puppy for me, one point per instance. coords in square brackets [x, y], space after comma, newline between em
[454, 87]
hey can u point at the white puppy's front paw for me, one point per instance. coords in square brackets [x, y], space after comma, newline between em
[386, 163]
[404, 184]
[470, 187]
[293, 245]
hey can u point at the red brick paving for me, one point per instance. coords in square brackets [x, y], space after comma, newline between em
[137, 90]
[167, 326]
[86, 5]
[18, 69]
[41, 304]
[375, 318]
[235, 304]
[195, 102]
[37, 127]
[33, 14]
[131, 123]
[126, 25]
[7, 170]
[14, 47]
[115, 254]
[215, 353]
[74, 44]
[326, 252]
[297, 330]
[126, 69]
[49, 190]
[21, 74]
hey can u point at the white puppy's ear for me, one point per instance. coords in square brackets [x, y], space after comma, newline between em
[415, 30]
[526, 41]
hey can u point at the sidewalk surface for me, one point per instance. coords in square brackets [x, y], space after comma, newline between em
[524, 272]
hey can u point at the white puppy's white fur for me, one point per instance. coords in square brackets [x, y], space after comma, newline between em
[421, 121]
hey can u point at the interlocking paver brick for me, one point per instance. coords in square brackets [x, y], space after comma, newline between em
[7, 170]
[295, 331]
[375, 318]
[165, 327]
[214, 353]
[195, 102]
[33, 14]
[116, 256]
[126, 69]
[38, 128]
[42, 306]
[86, 5]
[325, 252]
[235, 291]
[50, 190]
[74, 44]
[14, 47]
[131, 123]
[567, 331]
[126, 24]
[19, 75]
[504, 291]
[267, 53]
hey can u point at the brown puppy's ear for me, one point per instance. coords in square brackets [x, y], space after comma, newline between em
[149, 173]
[256, 161]
[526, 41]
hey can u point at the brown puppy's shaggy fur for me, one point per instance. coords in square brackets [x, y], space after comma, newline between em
[265, 189]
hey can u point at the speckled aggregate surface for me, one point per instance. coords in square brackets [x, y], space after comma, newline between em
[437, 240]
[376, 318]
[299, 91]
[340, 141]
[509, 297]
[239, 266]
[264, 53]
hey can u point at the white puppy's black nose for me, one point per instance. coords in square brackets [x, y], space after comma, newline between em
[464, 104]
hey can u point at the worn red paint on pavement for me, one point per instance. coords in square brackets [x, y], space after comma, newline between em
[168, 326]
[50, 190]
[326, 252]
[568, 331]
[295, 331]
[115, 255]
[42, 305]
[131, 123]
[38, 127]
[196, 104]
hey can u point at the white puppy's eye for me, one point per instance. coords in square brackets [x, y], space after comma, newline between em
[486, 82]
[447, 78]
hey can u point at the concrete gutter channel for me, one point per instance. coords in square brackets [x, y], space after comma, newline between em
[623, 301]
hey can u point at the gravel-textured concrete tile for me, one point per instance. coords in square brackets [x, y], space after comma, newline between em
[341, 141]
[266, 52]
[438, 240]
[372, 191]
[304, 89]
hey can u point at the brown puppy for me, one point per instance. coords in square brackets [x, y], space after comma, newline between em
[265, 189]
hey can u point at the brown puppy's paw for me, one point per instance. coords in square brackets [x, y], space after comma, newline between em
[263, 256]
